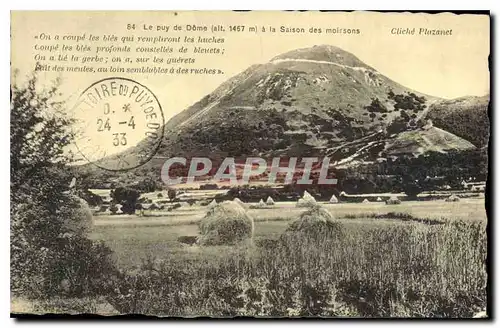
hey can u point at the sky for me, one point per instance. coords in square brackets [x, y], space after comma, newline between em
[445, 66]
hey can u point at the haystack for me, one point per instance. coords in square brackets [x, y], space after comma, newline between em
[306, 201]
[453, 198]
[315, 222]
[212, 203]
[308, 197]
[393, 201]
[269, 201]
[260, 204]
[365, 201]
[333, 199]
[225, 223]
[239, 201]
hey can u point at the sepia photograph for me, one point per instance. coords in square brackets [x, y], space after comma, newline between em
[259, 164]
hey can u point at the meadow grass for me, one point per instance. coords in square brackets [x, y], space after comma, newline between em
[385, 263]
[467, 209]
[377, 270]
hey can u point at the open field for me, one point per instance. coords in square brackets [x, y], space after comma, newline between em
[383, 261]
[467, 209]
[135, 239]
[380, 263]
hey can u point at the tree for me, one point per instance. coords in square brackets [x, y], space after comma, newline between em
[147, 185]
[47, 247]
[171, 194]
[127, 197]
[412, 188]
[376, 106]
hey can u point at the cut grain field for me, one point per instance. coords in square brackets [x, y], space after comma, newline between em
[136, 239]
[415, 259]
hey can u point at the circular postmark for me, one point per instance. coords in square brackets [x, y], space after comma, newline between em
[120, 124]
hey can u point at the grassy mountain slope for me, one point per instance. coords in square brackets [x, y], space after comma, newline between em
[310, 102]
[466, 117]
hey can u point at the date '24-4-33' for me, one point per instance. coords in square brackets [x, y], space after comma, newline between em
[120, 138]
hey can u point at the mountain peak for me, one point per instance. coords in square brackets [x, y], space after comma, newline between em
[322, 53]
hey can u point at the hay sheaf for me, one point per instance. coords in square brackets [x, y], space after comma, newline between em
[316, 222]
[226, 223]
[453, 198]
[236, 199]
[334, 200]
[307, 201]
[239, 201]
[393, 201]
[308, 197]
[260, 205]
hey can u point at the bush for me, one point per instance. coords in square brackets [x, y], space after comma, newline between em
[78, 215]
[126, 197]
[50, 252]
[171, 194]
[376, 106]
[190, 240]
[63, 261]
[224, 224]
